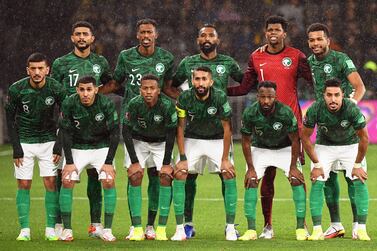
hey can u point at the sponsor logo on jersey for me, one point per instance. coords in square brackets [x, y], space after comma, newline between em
[287, 62]
[99, 117]
[49, 100]
[344, 123]
[327, 68]
[160, 67]
[277, 126]
[97, 69]
[220, 69]
[211, 110]
[157, 118]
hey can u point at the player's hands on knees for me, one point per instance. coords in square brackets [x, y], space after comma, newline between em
[167, 170]
[181, 166]
[316, 172]
[18, 162]
[56, 158]
[109, 172]
[227, 168]
[251, 178]
[68, 170]
[295, 173]
[134, 168]
[360, 174]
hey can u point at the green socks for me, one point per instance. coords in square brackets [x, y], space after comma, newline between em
[316, 202]
[332, 191]
[230, 200]
[190, 197]
[51, 205]
[299, 198]
[179, 199]
[251, 197]
[362, 201]
[65, 201]
[94, 192]
[153, 191]
[351, 195]
[134, 200]
[23, 207]
[164, 202]
[110, 198]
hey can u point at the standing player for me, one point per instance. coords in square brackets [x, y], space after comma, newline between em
[282, 65]
[133, 63]
[222, 67]
[341, 136]
[204, 134]
[270, 138]
[90, 138]
[149, 130]
[32, 130]
[67, 70]
[326, 64]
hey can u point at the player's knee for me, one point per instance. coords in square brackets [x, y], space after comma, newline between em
[152, 171]
[295, 182]
[180, 174]
[253, 184]
[50, 183]
[24, 184]
[135, 178]
[108, 184]
[228, 175]
[66, 183]
[166, 179]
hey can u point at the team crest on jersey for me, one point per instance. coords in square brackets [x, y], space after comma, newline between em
[344, 123]
[220, 69]
[157, 118]
[160, 67]
[97, 69]
[99, 117]
[287, 62]
[49, 100]
[277, 126]
[327, 68]
[211, 110]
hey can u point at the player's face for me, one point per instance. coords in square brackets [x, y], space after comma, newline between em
[202, 81]
[275, 34]
[37, 71]
[318, 42]
[82, 38]
[147, 35]
[208, 40]
[87, 93]
[266, 98]
[333, 98]
[149, 90]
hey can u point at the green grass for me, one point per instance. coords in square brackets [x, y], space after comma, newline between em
[209, 214]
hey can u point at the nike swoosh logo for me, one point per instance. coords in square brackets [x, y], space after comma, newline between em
[25, 102]
[75, 117]
[262, 64]
[70, 71]
[133, 70]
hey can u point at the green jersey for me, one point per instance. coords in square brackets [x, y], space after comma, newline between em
[222, 68]
[69, 68]
[338, 128]
[90, 125]
[132, 66]
[269, 131]
[33, 109]
[150, 124]
[335, 65]
[203, 118]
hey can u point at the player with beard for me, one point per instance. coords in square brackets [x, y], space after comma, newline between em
[133, 63]
[283, 65]
[222, 67]
[67, 70]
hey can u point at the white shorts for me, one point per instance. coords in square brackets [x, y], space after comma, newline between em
[280, 158]
[90, 158]
[330, 155]
[149, 154]
[43, 154]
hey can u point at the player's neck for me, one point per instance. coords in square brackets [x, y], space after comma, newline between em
[39, 85]
[273, 49]
[203, 98]
[208, 56]
[82, 54]
[323, 55]
[146, 51]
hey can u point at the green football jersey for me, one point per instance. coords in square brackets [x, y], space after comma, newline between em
[203, 118]
[269, 131]
[70, 68]
[90, 125]
[337, 128]
[335, 65]
[150, 124]
[222, 68]
[131, 67]
[33, 109]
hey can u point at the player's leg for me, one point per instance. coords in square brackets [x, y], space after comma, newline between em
[351, 195]
[94, 193]
[267, 195]
[153, 199]
[190, 189]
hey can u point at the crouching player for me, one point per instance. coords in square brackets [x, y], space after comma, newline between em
[341, 136]
[270, 138]
[90, 138]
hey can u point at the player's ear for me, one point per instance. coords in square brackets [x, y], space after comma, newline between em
[72, 40]
[27, 70]
[47, 70]
[96, 89]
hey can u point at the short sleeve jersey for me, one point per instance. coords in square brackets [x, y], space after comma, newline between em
[132, 66]
[34, 109]
[70, 68]
[203, 118]
[270, 131]
[222, 68]
[335, 65]
[90, 125]
[150, 124]
[337, 128]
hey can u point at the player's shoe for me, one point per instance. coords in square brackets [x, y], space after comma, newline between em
[317, 235]
[267, 233]
[130, 233]
[107, 235]
[189, 231]
[50, 234]
[138, 234]
[334, 231]
[58, 229]
[95, 230]
[301, 234]
[354, 230]
[249, 235]
[180, 234]
[362, 235]
[24, 235]
[161, 234]
[150, 234]
[67, 235]
[235, 227]
[230, 233]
